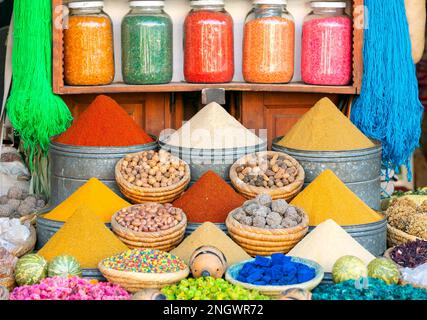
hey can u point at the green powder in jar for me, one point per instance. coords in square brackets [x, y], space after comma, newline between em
[147, 48]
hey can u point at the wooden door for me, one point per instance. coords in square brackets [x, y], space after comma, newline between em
[276, 112]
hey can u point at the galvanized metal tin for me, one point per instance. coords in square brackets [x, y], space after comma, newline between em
[46, 228]
[71, 166]
[93, 274]
[360, 169]
[217, 160]
[372, 236]
[191, 227]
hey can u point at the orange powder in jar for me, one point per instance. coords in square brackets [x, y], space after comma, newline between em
[88, 51]
[268, 50]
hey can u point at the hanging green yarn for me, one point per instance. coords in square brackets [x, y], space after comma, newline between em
[388, 108]
[34, 111]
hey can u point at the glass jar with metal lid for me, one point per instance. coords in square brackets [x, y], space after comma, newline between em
[147, 44]
[88, 45]
[326, 53]
[269, 43]
[208, 43]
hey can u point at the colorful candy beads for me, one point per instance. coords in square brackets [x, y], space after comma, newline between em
[268, 50]
[326, 57]
[208, 47]
[145, 261]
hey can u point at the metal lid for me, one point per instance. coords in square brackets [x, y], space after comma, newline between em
[159, 3]
[207, 3]
[282, 2]
[85, 4]
[328, 4]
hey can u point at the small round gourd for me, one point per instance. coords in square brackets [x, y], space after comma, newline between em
[149, 294]
[208, 261]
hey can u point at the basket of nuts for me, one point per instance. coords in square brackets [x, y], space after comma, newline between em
[150, 225]
[275, 173]
[152, 176]
[263, 226]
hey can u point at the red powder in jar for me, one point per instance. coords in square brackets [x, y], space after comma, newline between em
[326, 53]
[208, 47]
[209, 199]
[104, 124]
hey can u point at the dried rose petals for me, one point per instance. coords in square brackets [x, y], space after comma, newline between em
[411, 254]
[74, 288]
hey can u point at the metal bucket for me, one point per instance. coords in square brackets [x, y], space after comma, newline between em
[71, 166]
[192, 226]
[217, 160]
[93, 274]
[360, 169]
[372, 236]
[46, 228]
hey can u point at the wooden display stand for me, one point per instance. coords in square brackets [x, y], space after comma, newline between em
[156, 107]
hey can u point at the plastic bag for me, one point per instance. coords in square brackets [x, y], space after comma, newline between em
[417, 276]
[13, 171]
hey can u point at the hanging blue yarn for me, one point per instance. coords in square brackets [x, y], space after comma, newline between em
[388, 108]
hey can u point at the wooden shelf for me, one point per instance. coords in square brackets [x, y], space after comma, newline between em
[188, 87]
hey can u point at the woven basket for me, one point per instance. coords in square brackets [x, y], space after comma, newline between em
[264, 242]
[160, 195]
[249, 192]
[28, 246]
[165, 240]
[396, 237]
[134, 282]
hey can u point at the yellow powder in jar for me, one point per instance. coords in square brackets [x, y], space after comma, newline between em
[94, 195]
[85, 237]
[325, 128]
[327, 197]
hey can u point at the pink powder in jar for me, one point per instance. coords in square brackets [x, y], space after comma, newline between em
[326, 53]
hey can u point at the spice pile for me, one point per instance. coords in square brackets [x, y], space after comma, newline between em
[95, 196]
[213, 128]
[268, 50]
[104, 124]
[74, 288]
[375, 290]
[13, 233]
[209, 199]
[327, 243]
[411, 254]
[18, 203]
[279, 270]
[145, 261]
[404, 214]
[263, 212]
[325, 128]
[149, 217]
[327, 197]
[210, 235]
[152, 169]
[85, 237]
[208, 288]
[268, 171]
